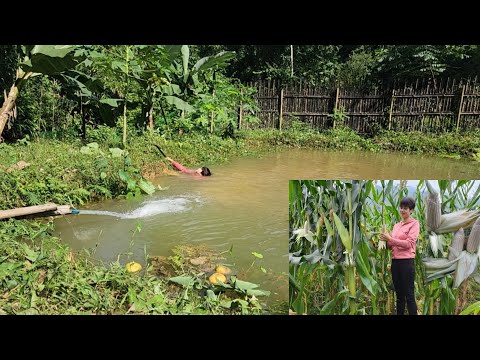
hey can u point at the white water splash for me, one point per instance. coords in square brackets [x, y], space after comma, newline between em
[148, 209]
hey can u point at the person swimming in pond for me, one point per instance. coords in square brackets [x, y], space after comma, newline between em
[204, 171]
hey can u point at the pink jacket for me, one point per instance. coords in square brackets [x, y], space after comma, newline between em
[404, 239]
[182, 168]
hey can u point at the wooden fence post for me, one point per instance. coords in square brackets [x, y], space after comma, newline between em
[460, 107]
[391, 110]
[335, 106]
[280, 109]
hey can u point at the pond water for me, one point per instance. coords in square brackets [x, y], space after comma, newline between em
[244, 204]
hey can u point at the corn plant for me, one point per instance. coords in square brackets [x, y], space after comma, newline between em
[337, 263]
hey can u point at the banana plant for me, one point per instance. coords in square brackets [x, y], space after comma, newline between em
[36, 60]
[194, 81]
[63, 63]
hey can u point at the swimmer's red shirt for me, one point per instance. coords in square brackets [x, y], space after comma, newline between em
[182, 168]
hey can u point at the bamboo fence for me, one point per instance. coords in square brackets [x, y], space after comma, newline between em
[426, 105]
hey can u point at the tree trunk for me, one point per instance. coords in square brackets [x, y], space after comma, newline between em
[150, 118]
[84, 121]
[163, 114]
[7, 108]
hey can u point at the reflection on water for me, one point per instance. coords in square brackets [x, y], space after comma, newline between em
[244, 204]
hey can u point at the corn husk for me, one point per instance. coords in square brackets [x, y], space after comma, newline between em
[459, 219]
[435, 264]
[434, 243]
[430, 188]
[465, 267]
[433, 211]
[474, 238]
[382, 245]
[438, 268]
[441, 273]
[458, 244]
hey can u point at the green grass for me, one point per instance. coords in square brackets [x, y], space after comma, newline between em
[39, 275]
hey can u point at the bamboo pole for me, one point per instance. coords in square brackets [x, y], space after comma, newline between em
[391, 110]
[5, 214]
[335, 106]
[460, 107]
[280, 109]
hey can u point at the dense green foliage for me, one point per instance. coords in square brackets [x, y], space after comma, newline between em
[8, 65]
[355, 65]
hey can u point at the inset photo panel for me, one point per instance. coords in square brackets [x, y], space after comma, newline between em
[384, 247]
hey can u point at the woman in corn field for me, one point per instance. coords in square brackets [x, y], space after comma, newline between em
[403, 242]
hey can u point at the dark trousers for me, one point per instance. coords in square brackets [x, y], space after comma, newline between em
[403, 276]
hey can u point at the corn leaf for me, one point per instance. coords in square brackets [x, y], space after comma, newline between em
[344, 235]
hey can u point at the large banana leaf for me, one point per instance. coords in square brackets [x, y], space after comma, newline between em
[179, 103]
[219, 59]
[49, 59]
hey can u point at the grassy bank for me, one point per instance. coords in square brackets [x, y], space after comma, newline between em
[449, 144]
[40, 275]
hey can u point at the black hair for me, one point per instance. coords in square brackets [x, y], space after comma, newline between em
[206, 171]
[409, 202]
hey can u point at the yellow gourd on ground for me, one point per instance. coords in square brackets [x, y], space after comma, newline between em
[133, 267]
[223, 270]
[216, 277]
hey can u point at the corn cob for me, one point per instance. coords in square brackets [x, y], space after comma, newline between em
[433, 212]
[474, 238]
[459, 219]
[458, 243]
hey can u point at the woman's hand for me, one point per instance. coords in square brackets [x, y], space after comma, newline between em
[169, 159]
[385, 236]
